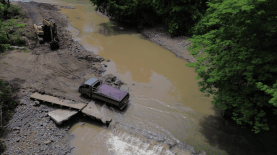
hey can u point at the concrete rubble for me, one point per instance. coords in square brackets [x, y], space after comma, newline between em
[60, 115]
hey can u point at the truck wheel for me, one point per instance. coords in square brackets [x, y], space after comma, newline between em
[85, 95]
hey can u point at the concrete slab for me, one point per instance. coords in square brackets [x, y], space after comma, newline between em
[91, 110]
[60, 115]
[55, 100]
[106, 120]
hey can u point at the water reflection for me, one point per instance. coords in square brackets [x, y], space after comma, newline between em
[165, 97]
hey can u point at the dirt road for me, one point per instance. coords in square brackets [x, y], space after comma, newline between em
[57, 72]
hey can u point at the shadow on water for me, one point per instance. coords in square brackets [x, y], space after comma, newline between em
[227, 136]
[112, 28]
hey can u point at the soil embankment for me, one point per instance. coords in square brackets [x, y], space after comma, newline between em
[56, 72]
[177, 45]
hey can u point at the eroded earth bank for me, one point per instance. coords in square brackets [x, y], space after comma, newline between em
[55, 72]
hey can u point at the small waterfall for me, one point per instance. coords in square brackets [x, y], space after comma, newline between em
[126, 140]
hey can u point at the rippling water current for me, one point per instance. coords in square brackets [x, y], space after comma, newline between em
[166, 106]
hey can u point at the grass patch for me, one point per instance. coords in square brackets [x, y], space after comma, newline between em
[4, 63]
[11, 26]
[7, 106]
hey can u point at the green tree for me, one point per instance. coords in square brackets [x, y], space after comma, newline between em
[236, 49]
[177, 15]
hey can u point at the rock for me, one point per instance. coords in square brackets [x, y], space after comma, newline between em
[118, 82]
[17, 47]
[22, 102]
[108, 60]
[190, 148]
[75, 77]
[202, 153]
[100, 58]
[47, 142]
[16, 128]
[81, 124]
[36, 103]
[109, 78]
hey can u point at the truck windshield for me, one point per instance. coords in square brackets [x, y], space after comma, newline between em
[96, 85]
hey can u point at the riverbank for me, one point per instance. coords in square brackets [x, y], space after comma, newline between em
[177, 45]
[58, 72]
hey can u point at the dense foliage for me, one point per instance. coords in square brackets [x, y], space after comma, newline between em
[238, 45]
[10, 26]
[10, 34]
[177, 15]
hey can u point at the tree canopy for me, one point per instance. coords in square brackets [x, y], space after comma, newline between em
[177, 15]
[238, 44]
[234, 41]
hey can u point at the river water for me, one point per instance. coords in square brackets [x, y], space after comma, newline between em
[166, 106]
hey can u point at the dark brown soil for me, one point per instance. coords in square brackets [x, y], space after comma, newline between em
[58, 71]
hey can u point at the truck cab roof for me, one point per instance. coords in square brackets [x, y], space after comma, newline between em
[91, 81]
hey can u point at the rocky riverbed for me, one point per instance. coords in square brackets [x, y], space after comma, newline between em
[57, 72]
[32, 131]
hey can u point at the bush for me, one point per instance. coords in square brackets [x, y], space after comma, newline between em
[178, 16]
[11, 28]
[237, 39]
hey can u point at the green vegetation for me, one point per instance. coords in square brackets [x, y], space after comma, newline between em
[11, 26]
[7, 106]
[4, 63]
[177, 15]
[11, 29]
[238, 43]
[234, 42]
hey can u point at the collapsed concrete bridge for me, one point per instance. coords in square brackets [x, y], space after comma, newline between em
[61, 115]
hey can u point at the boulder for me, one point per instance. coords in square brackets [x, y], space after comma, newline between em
[36, 103]
[47, 142]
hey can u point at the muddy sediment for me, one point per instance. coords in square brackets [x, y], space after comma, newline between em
[56, 72]
[177, 45]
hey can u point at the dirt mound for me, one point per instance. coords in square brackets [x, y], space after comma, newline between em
[57, 72]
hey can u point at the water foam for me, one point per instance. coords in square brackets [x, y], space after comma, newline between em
[124, 144]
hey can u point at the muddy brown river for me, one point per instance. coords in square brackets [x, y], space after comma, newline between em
[166, 105]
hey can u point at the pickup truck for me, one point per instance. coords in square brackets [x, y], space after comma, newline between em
[93, 88]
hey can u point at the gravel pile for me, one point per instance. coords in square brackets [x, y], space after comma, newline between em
[32, 131]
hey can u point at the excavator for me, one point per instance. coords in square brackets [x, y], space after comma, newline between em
[46, 30]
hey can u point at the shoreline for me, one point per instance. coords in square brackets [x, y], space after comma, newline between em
[31, 131]
[158, 35]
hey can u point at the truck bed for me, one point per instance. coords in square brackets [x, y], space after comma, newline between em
[111, 92]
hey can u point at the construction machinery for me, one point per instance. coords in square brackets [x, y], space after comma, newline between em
[47, 31]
